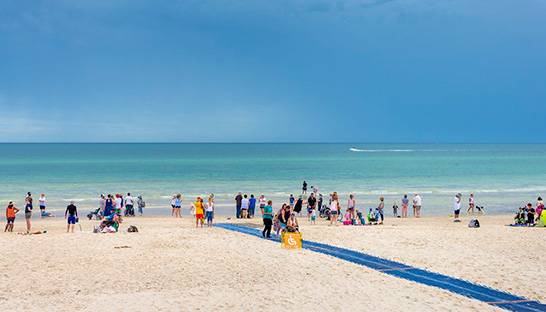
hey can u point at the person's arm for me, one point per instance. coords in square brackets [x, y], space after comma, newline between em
[65, 212]
[76, 211]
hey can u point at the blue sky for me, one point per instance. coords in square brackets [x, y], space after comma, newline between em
[273, 71]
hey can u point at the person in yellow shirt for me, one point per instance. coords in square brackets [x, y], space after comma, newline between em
[199, 209]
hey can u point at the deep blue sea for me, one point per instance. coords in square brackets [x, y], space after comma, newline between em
[503, 177]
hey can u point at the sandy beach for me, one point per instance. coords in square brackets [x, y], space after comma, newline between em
[170, 265]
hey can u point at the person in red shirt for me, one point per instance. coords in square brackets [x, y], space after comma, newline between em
[11, 211]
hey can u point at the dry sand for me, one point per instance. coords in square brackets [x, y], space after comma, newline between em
[172, 266]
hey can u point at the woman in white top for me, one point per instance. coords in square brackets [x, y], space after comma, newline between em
[262, 202]
[43, 203]
[351, 204]
[209, 212]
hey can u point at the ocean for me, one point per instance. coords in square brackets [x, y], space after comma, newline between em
[502, 176]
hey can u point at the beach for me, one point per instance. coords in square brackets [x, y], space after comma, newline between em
[171, 265]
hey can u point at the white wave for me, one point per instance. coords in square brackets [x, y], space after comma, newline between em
[352, 149]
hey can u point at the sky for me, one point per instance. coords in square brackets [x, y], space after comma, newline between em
[384, 71]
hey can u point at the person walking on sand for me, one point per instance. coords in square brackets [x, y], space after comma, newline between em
[417, 203]
[267, 216]
[210, 211]
[28, 210]
[457, 207]
[71, 216]
[199, 209]
[11, 211]
[405, 203]
[304, 188]
[238, 201]
[471, 204]
[141, 204]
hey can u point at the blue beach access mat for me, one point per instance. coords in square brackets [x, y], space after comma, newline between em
[458, 286]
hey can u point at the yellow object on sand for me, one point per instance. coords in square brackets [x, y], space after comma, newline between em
[291, 240]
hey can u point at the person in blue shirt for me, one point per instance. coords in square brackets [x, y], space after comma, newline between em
[292, 200]
[251, 206]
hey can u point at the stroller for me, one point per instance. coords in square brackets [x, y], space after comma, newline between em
[94, 214]
[324, 211]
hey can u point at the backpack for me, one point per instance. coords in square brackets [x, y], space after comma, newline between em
[474, 223]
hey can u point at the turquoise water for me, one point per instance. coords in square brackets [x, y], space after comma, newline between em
[502, 176]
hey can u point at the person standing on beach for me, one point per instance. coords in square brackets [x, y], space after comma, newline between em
[129, 205]
[334, 206]
[199, 211]
[417, 203]
[71, 216]
[298, 205]
[238, 201]
[245, 203]
[102, 204]
[267, 216]
[304, 188]
[210, 211]
[457, 207]
[291, 200]
[380, 208]
[262, 202]
[251, 206]
[11, 211]
[471, 204]
[405, 203]
[141, 204]
[351, 204]
[311, 205]
[177, 205]
[28, 210]
[43, 203]
[108, 206]
[119, 204]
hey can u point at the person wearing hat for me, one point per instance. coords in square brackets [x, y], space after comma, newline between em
[457, 207]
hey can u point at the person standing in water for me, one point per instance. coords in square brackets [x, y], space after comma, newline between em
[199, 212]
[304, 188]
[28, 210]
[129, 205]
[417, 203]
[177, 205]
[71, 216]
[267, 216]
[11, 211]
[245, 203]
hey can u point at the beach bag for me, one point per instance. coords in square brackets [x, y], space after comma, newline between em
[132, 229]
[474, 223]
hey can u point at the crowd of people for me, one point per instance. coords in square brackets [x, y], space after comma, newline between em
[530, 215]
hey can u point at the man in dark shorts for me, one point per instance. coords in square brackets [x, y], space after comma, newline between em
[238, 200]
[28, 210]
[304, 188]
[311, 205]
[71, 215]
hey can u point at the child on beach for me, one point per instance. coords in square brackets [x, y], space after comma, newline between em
[314, 216]
[530, 215]
[276, 224]
[292, 200]
[395, 209]
[457, 207]
[140, 204]
[199, 212]
[519, 219]
[11, 211]
[348, 220]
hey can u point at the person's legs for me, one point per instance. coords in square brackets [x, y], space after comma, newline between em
[28, 225]
[418, 211]
[268, 228]
[172, 211]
